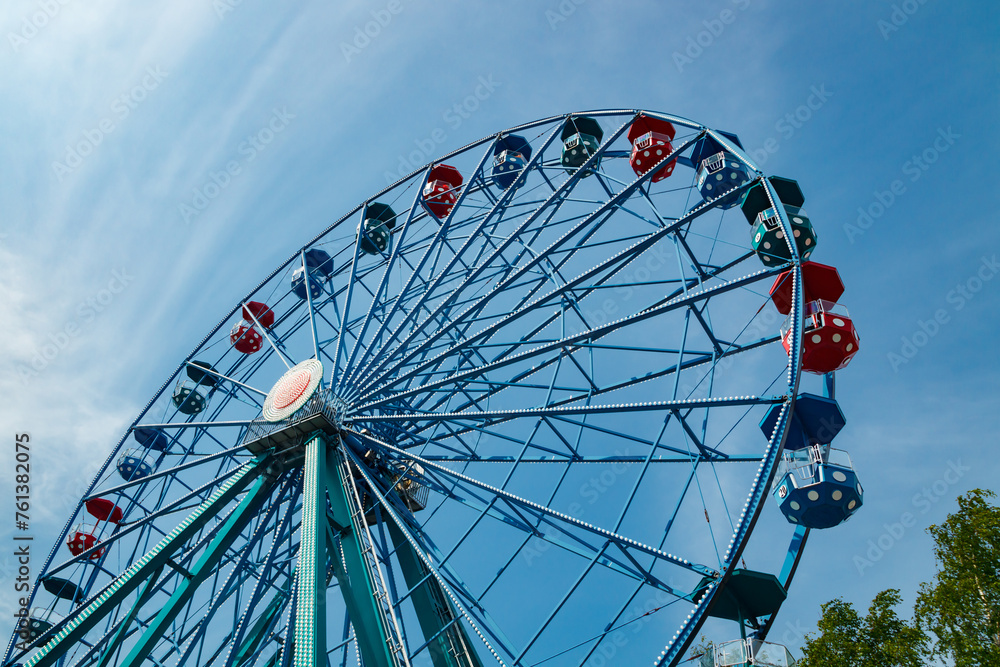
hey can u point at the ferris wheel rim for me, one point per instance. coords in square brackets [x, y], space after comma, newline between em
[774, 447]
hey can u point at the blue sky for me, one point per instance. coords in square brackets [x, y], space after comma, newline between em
[885, 114]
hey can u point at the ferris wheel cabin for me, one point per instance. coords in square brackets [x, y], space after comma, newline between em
[814, 485]
[441, 191]
[830, 339]
[651, 142]
[380, 220]
[40, 619]
[510, 156]
[406, 481]
[83, 537]
[191, 393]
[244, 335]
[87, 535]
[817, 487]
[767, 238]
[719, 172]
[137, 462]
[319, 266]
[747, 653]
[747, 598]
[581, 137]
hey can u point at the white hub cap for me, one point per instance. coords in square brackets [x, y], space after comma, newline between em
[292, 391]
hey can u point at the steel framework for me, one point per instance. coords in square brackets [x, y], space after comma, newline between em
[570, 369]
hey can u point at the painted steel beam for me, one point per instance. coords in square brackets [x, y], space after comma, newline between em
[259, 631]
[568, 341]
[118, 590]
[205, 566]
[430, 288]
[116, 641]
[363, 599]
[386, 273]
[310, 621]
[450, 646]
[538, 510]
[237, 576]
[421, 551]
[615, 408]
[242, 648]
[553, 202]
[605, 208]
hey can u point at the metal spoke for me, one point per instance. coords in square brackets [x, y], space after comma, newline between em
[498, 493]
[263, 332]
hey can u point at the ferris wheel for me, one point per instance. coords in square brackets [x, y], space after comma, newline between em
[522, 407]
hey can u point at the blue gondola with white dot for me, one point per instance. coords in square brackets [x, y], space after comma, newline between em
[510, 156]
[815, 486]
[139, 462]
[718, 171]
[320, 267]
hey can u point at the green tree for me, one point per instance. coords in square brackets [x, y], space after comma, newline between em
[880, 639]
[961, 606]
[702, 648]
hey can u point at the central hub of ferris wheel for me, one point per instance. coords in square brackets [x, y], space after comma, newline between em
[295, 407]
[293, 390]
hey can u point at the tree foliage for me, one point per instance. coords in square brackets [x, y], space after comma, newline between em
[880, 639]
[703, 647]
[961, 606]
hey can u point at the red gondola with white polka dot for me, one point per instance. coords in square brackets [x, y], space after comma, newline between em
[441, 191]
[651, 142]
[244, 335]
[830, 340]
